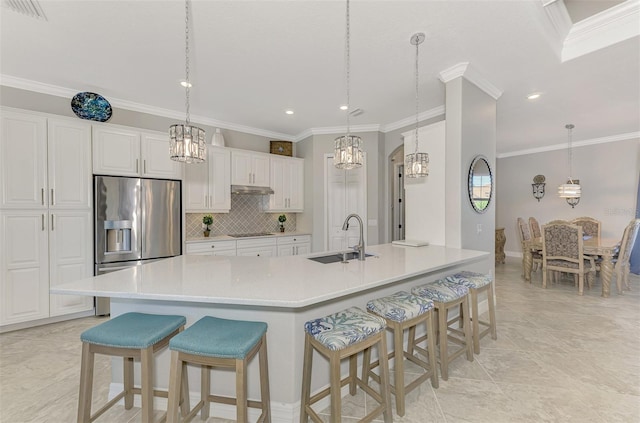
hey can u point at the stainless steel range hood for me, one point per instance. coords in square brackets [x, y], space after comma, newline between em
[250, 190]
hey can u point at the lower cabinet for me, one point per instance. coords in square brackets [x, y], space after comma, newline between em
[295, 245]
[259, 247]
[212, 248]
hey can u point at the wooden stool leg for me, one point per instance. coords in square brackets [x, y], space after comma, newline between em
[264, 380]
[398, 349]
[476, 324]
[86, 384]
[384, 378]
[127, 364]
[205, 389]
[442, 338]
[366, 365]
[431, 345]
[146, 361]
[353, 368]
[492, 312]
[241, 391]
[174, 387]
[467, 331]
[184, 385]
[306, 378]
[334, 382]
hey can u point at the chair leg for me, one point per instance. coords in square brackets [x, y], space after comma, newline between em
[581, 284]
[468, 337]
[306, 379]
[264, 380]
[492, 312]
[353, 368]
[146, 361]
[205, 389]
[127, 364]
[431, 345]
[185, 405]
[442, 338]
[544, 277]
[241, 391]
[174, 387]
[366, 363]
[398, 349]
[334, 381]
[86, 384]
[384, 378]
[475, 322]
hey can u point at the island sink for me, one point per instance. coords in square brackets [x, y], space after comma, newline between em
[337, 257]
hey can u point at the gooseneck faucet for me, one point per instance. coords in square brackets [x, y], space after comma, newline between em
[360, 247]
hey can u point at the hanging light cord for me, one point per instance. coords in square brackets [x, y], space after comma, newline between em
[417, 98]
[186, 58]
[348, 70]
[570, 128]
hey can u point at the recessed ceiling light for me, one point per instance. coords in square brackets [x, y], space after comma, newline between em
[289, 112]
[534, 96]
[344, 107]
[186, 84]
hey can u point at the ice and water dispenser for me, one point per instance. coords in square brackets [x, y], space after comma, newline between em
[117, 236]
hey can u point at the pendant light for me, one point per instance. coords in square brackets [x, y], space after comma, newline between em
[571, 191]
[348, 148]
[416, 165]
[187, 142]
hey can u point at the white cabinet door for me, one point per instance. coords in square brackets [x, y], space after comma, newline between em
[304, 248]
[155, 158]
[287, 181]
[70, 257]
[248, 168]
[24, 281]
[296, 185]
[260, 164]
[285, 250]
[196, 188]
[69, 164]
[116, 151]
[23, 161]
[277, 200]
[219, 180]
[258, 251]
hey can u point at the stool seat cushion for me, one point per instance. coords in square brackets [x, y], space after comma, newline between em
[470, 279]
[347, 327]
[441, 291]
[133, 330]
[222, 338]
[400, 307]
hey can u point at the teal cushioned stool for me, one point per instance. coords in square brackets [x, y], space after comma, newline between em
[478, 283]
[343, 335]
[130, 336]
[445, 296]
[403, 311]
[214, 342]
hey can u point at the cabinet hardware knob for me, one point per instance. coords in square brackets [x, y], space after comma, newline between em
[213, 246]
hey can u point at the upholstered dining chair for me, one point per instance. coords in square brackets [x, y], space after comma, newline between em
[621, 262]
[562, 251]
[535, 227]
[590, 226]
[525, 235]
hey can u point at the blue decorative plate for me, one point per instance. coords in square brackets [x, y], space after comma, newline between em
[91, 106]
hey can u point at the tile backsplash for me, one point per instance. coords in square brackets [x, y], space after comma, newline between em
[247, 215]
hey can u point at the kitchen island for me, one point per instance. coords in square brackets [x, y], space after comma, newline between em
[285, 292]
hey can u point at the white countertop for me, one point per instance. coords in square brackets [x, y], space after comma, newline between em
[290, 282]
[233, 238]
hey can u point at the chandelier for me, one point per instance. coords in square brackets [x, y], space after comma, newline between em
[187, 142]
[571, 190]
[416, 164]
[348, 148]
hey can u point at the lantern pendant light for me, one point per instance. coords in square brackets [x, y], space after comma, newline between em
[416, 165]
[571, 191]
[187, 142]
[348, 148]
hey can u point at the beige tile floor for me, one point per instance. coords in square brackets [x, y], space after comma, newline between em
[559, 357]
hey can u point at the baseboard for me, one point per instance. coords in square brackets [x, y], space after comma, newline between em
[513, 254]
[46, 321]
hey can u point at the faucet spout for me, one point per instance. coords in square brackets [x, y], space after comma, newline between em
[360, 247]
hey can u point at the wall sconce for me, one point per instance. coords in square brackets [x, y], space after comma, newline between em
[538, 187]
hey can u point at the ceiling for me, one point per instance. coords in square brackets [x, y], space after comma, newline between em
[252, 60]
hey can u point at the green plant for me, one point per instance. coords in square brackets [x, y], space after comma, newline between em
[207, 220]
[282, 218]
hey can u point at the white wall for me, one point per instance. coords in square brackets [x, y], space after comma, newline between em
[608, 175]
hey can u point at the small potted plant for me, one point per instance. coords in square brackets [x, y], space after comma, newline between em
[207, 220]
[281, 219]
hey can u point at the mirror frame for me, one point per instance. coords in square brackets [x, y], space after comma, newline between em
[475, 160]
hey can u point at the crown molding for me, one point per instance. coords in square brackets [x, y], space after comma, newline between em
[558, 16]
[25, 84]
[332, 130]
[606, 28]
[428, 114]
[584, 143]
[464, 69]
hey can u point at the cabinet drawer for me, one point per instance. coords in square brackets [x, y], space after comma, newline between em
[256, 243]
[212, 247]
[294, 239]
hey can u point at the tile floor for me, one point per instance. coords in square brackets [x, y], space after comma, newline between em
[558, 358]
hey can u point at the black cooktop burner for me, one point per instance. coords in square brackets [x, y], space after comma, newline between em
[250, 235]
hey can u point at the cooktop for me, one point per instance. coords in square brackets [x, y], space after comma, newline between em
[250, 235]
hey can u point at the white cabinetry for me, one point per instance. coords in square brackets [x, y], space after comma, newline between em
[294, 245]
[250, 168]
[45, 215]
[127, 152]
[213, 248]
[259, 247]
[207, 186]
[287, 181]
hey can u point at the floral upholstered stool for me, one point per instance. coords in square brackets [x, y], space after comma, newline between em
[130, 336]
[338, 336]
[477, 283]
[403, 311]
[445, 296]
[220, 343]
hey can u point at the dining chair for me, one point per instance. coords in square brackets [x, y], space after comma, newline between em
[590, 226]
[621, 262]
[525, 235]
[562, 251]
[535, 227]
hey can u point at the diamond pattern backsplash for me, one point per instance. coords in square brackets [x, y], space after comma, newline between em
[247, 215]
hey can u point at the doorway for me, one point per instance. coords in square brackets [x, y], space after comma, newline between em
[397, 213]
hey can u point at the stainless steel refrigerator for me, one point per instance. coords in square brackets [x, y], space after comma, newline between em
[137, 221]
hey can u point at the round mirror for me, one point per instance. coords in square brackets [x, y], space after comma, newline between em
[480, 184]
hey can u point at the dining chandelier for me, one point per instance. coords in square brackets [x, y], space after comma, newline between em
[187, 142]
[416, 165]
[570, 191]
[348, 148]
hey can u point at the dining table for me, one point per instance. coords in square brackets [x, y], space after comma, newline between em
[604, 248]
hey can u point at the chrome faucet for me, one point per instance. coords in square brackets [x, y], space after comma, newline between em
[360, 247]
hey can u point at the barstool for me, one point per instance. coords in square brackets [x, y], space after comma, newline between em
[448, 295]
[337, 336]
[477, 283]
[130, 336]
[403, 311]
[213, 342]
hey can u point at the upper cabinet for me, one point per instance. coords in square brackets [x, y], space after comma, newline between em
[207, 186]
[287, 181]
[125, 152]
[44, 163]
[250, 168]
